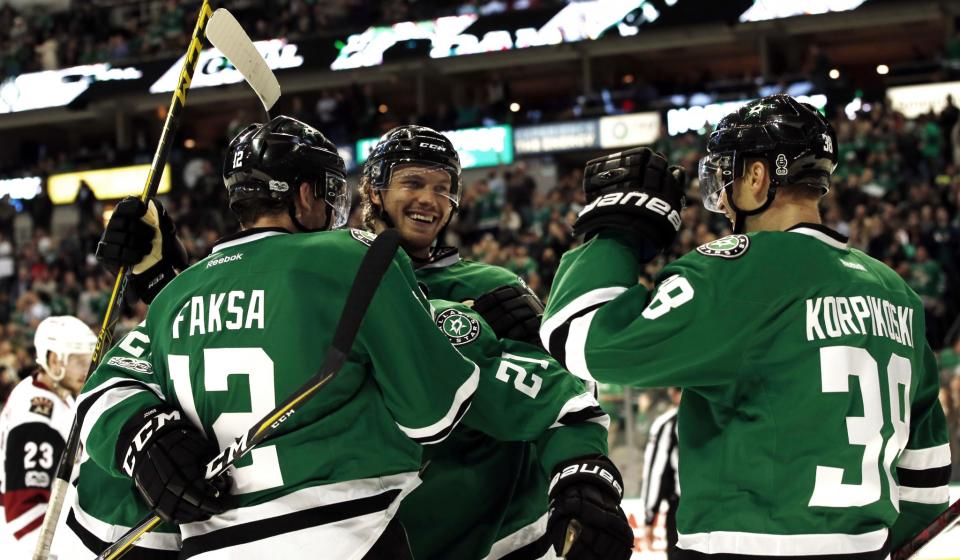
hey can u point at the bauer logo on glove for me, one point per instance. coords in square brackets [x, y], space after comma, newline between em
[633, 192]
[636, 198]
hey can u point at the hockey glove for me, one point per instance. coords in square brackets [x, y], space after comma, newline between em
[634, 192]
[512, 312]
[167, 457]
[585, 520]
[143, 237]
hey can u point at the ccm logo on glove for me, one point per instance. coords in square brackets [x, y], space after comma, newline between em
[143, 436]
[652, 203]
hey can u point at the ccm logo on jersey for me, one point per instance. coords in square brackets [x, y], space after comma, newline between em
[146, 432]
[637, 198]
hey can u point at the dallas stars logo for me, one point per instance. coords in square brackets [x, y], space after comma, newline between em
[364, 237]
[757, 110]
[729, 247]
[458, 327]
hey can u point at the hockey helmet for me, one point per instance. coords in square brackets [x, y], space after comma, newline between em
[63, 335]
[793, 138]
[413, 144]
[272, 160]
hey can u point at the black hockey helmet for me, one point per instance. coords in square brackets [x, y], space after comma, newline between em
[272, 160]
[793, 138]
[413, 144]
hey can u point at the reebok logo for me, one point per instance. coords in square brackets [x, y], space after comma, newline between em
[636, 198]
[222, 260]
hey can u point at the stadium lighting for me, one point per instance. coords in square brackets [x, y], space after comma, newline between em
[883, 69]
[189, 143]
[834, 74]
[628, 79]
[383, 108]
[514, 107]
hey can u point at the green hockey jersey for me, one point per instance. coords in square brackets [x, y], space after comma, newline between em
[451, 278]
[501, 483]
[106, 506]
[810, 423]
[238, 332]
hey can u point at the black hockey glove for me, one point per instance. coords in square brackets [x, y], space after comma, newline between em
[143, 237]
[585, 520]
[512, 312]
[167, 457]
[634, 192]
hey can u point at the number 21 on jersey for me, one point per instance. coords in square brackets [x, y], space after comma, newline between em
[837, 364]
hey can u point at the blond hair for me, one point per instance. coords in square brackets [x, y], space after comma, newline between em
[369, 214]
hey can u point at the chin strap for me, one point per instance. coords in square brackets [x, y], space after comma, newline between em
[739, 215]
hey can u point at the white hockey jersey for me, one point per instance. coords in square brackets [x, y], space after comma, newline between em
[34, 426]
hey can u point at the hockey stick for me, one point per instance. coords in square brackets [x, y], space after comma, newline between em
[105, 337]
[372, 269]
[225, 33]
[940, 524]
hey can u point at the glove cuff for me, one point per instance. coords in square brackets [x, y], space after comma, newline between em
[141, 430]
[150, 282]
[597, 470]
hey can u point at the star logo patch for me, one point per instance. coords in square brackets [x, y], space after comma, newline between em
[729, 247]
[459, 327]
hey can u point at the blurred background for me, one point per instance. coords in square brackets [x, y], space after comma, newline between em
[527, 89]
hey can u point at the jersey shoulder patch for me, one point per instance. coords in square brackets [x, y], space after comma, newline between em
[42, 406]
[131, 364]
[362, 236]
[729, 247]
[458, 327]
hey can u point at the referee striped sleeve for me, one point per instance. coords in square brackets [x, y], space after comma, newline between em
[656, 459]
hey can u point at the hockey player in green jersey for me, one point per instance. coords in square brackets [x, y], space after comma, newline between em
[101, 506]
[411, 181]
[809, 424]
[523, 394]
[238, 332]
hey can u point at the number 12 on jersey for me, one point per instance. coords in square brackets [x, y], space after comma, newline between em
[837, 364]
[218, 364]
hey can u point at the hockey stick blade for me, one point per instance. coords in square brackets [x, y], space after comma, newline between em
[105, 337]
[372, 269]
[940, 524]
[226, 34]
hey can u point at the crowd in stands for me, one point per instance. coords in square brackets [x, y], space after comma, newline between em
[43, 38]
[896, 194]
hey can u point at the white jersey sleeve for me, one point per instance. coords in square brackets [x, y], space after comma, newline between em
[34, 426]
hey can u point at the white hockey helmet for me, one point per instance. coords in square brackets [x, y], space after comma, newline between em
[63, 335]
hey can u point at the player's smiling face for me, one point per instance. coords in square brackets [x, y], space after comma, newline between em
[419, 203]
